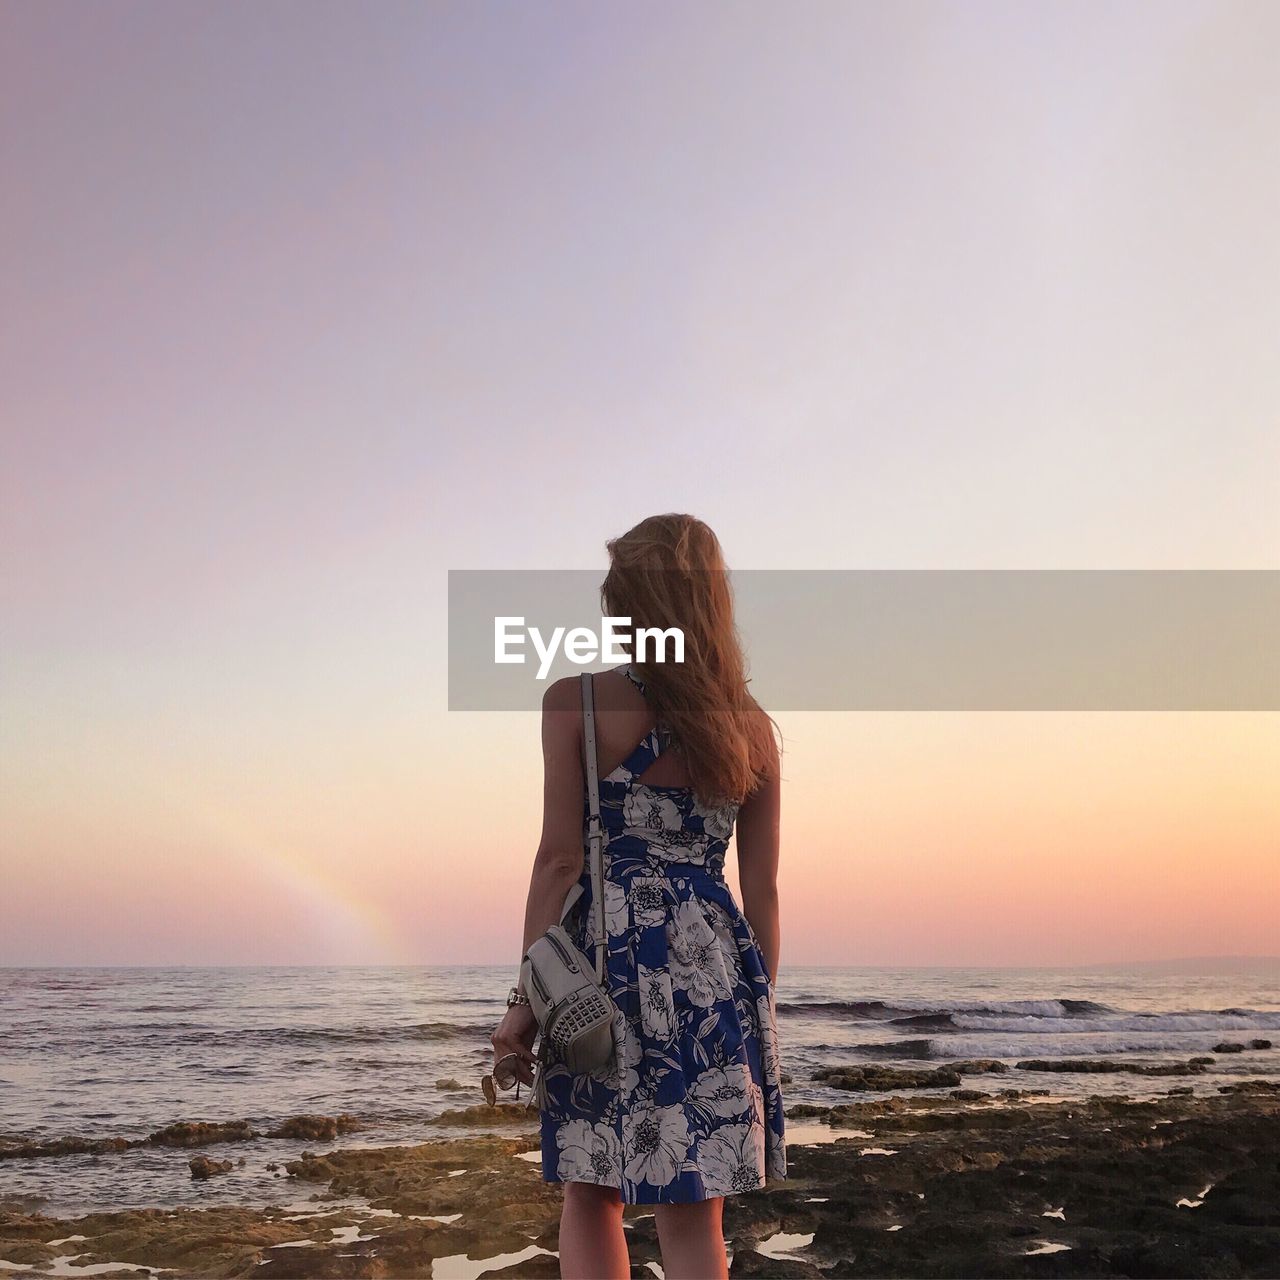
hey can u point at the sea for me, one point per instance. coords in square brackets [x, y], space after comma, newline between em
[122, 1052]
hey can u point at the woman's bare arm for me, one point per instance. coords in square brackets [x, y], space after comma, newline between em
[758, 835]
[558, 861]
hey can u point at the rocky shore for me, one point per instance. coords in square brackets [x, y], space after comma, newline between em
[964, 1183]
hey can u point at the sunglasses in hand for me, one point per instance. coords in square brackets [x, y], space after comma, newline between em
[503, 1076]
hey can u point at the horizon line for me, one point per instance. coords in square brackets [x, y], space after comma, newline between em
[496, 964]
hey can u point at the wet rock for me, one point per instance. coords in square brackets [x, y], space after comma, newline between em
[439, 1177]
[978, 1066]
[17, 1224]
[973, 1204]
[315, 1128]
[199, 1133]
[1228, 1046]
[223, 1241]
[181, 1134]
[202, 1167]
[483, 1115]
[807, 1111]
[449, 1083]
[867, 1113]
[1193, 1066]
[1246, 1197]
[503, 1201]
[17, 1147]
[873, 1079]
[968, 1186]
[1259, 1044]
[752, 1218]
[28, 1253]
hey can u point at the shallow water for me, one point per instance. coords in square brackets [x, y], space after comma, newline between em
[784, 1243]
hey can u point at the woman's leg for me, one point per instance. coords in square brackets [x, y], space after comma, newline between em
[592, 1243]
[692, 1240]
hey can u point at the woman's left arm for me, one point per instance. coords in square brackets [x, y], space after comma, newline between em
[559, 859]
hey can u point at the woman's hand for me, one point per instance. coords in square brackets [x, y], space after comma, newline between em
[515, 1034]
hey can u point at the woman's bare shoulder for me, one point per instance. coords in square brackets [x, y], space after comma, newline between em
[610, 690]
[562, 695]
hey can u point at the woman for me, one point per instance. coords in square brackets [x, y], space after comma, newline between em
[691, 1109]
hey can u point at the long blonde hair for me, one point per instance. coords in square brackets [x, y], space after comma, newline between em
[669, 571]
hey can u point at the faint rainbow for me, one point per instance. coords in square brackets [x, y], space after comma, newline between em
[351, 923]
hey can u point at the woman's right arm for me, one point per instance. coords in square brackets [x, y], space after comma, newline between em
[558, 862]
[559, 859]
[758, 836]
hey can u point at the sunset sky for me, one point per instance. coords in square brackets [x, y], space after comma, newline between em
[307, 304]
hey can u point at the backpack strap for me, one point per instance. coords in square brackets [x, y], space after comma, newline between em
[595, 829]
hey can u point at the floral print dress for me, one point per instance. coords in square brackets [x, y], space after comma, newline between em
[691, 1106]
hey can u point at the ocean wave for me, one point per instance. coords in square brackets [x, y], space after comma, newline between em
[1035, 1017]
[906, 1011]
[262, 1040]
[925, 1022]
[915, 1049]
[1192, 1020]
[319, 1036]
[1042, 1045]
[870, 1009]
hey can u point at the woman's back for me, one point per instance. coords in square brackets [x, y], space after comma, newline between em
[623, 718]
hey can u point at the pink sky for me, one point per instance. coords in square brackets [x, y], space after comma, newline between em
[304, 308]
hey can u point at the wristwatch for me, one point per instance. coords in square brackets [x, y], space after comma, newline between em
[516, 996]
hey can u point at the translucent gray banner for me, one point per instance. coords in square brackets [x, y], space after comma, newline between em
[918, 640]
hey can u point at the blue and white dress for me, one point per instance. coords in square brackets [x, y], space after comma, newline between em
[691, 1107]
